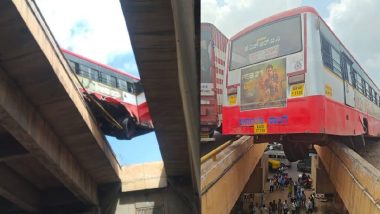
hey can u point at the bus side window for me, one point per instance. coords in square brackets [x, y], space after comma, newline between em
[370, 93]
[353, 77]
[84, 71]
[122, 84]
[364, 87]
[104, 78]
[112, 81]
[129, 87]
[336, 61]
[74, 66]
[108, 79]
[375, 96]
[359, 84]
[326, 52]
[94, 75]
[349, 77]
[138, 87]
[330, 56]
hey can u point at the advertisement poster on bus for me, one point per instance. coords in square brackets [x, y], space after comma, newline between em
[206, 62]
[263, 85]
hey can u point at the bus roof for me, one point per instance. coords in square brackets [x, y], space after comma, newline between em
[272, 18]
[293, 12]
[100, 64]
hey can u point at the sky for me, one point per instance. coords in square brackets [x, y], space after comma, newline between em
[354, 22]
[96, 29]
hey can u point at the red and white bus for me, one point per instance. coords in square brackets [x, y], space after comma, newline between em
[291, 80]
[114, 97]
[213, 65]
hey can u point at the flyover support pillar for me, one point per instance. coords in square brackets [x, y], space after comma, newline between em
[255, 186]
[321, 180]
[256, 181]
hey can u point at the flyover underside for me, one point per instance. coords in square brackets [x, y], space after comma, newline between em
[355, 180]
[52, 154]
[225, 176]
[162, 36]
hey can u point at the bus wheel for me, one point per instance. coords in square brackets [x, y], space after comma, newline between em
[295, 151]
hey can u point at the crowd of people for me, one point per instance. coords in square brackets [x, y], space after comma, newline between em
[296, 201]
[279, 181]
[285, 207]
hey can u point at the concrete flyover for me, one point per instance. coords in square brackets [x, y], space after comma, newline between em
[164, 36]
[53, 157]
[145, 190]
[225, 176]
[356, 180]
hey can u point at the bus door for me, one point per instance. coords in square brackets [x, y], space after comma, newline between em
[349, 95]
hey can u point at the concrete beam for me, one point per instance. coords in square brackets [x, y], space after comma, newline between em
[188, 76]
[152, 32]
[18, 191]
[10, 148]
[222, 181]
[355, 180]
[37, 27]
[15, 157]
[163, 35]
[24, 122]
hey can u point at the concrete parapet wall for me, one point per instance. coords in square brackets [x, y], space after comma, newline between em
[355, 180]
[163, 200]
[143, 176]
[224, 179]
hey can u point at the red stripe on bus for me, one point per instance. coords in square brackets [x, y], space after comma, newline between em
[312, 114]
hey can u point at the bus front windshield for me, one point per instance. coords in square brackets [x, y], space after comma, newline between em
[276, 39]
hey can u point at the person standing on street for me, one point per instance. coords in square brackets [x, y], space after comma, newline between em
[312, 198]
[303, 199]
[274, 207]
[309, 206]
[279, 206]
[293, 207]
[298, 204]
[285, 207]
[270, 185]
[264, 210]
[256, 209]
[290, 188]
[270, 208]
